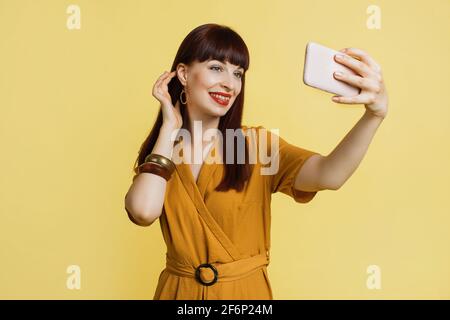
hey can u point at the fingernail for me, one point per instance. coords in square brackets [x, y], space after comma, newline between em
[339, 56]
[338, 74]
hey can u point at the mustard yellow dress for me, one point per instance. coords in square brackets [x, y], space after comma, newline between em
[227, 231]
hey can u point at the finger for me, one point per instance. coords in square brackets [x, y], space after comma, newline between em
[169, 77]
[354, 64]
[161, 78]
[157, 87]
[161, 84]
[359, 99]
[357, 81]
[364, 56]
[166, 80]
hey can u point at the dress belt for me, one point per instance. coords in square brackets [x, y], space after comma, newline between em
[209, 273]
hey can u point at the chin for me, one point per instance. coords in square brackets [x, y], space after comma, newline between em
[218, 111]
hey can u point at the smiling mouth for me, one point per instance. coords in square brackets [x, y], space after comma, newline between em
[220, 99]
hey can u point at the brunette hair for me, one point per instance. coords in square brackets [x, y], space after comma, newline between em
[217, 42]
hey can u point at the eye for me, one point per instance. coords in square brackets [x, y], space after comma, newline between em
[219, 68]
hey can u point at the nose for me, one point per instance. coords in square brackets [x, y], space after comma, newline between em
[227, 83]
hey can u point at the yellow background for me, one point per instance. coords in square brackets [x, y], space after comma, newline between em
[75, 106]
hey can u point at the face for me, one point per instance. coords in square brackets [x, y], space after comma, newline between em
[202, 79]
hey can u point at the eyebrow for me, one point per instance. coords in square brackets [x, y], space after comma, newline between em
[225, 66]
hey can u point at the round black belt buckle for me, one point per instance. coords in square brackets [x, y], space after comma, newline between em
[206, 265]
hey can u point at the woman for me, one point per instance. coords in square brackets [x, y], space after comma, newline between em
[215, 217]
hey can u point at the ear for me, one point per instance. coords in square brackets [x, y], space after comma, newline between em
[182, 73]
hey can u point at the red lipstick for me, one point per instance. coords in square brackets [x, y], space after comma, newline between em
[216, 96]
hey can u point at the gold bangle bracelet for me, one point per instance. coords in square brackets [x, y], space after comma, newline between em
[153, 157]
[155, 168]
[161, 160]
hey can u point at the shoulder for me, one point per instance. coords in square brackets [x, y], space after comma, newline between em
[257, 131]
[259, 135]
[247, 128]
[252, 132]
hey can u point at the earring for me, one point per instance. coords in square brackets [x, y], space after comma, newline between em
[181, 99]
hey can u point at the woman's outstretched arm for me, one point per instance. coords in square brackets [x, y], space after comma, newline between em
[332, 171]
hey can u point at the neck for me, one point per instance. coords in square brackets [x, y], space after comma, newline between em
[199, 124]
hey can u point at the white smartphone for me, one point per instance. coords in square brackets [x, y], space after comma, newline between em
[319, 69]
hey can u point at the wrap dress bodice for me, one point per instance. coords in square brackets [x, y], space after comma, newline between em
[229, 230]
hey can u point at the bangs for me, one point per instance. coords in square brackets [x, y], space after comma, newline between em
[223, 45]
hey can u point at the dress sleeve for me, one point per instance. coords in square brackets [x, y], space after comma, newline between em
[290, 160]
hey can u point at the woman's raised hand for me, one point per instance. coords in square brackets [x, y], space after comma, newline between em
[171, 115]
